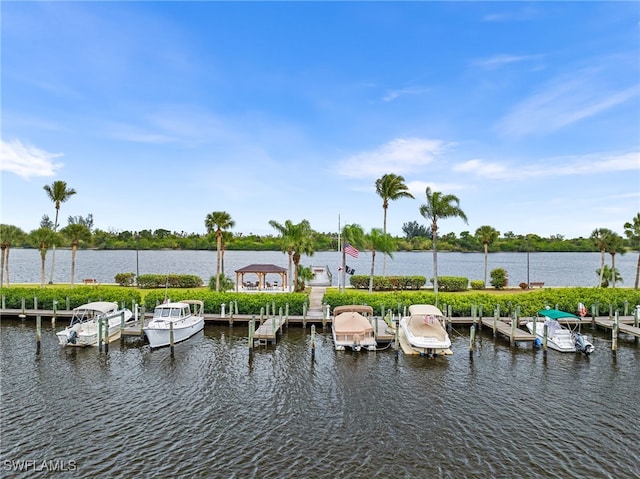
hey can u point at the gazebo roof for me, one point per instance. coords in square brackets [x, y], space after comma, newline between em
[262, 268]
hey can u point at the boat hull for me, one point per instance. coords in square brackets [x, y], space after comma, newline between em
[354, 342]
[561, 340]
[436, 343]
[86, 333]
[160, 335]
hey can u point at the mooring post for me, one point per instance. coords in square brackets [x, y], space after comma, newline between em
[4, 302]
[222, 306]
[626, 307]
[397, 336]
[496, 314]
[610, 311]
[267, 309]
[304, 314]
[261, 314]
[55, 313]
[99, 335]
[286, 313]
[514, 322]
[614, 335]
[106, 336]
[122, 327]
[472, 339]
[544, 339]
[252, 329]
[171, 337]
[35, 302]
[38, 333]
[22, 316]
[141, 315]
[636, 314]
[313, 340]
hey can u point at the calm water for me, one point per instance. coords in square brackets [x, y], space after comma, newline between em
[555, 269]
[214, 411]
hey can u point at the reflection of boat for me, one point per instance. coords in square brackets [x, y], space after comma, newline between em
[424, 329]
[352, 328]
[83, 327]
[185, 318]
[559, 337]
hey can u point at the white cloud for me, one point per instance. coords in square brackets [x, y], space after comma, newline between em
[593, 164]
[27, 161]
[391, 95]
[398, 156]
[498, 61]
[563, 101]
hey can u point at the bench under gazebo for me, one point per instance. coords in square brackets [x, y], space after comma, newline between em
[261, 270]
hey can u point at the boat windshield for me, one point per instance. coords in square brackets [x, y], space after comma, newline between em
[83, 315]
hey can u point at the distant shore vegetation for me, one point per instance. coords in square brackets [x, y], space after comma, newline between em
[415, 239]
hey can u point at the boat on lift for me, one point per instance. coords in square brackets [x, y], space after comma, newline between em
[424, 329]
[560, 337]
[183, 319]
[352, 328]
[83, 327]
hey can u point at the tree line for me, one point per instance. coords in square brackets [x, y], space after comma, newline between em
[298, 239]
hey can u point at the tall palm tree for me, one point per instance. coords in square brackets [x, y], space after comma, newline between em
[76, 233]
[376, 240]
[216, 222]
[355, 236]
[487, 235]
[600, 237]
[632, 231]
[615, 244]
[9, 235]
[390, 187]
[287, 243]
[439, 206]
[43, 238]
[58, 193]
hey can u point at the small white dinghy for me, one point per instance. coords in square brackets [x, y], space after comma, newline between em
[185, 318]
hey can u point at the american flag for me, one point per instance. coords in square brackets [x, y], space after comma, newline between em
[350, 250]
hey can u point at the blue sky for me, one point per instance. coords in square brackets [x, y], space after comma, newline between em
[158, 113]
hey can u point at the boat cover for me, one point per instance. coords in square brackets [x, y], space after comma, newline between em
[351, 323]
[557, 314]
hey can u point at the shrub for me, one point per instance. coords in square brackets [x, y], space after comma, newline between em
[388, 283]
[524, 285]
[477, 284]
[226, 283]
[452, 283]
[169, 281]
[498, 278]
[125, 279]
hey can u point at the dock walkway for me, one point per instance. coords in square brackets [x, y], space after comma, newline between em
[267, 332]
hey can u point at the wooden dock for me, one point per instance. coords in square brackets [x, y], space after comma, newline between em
[508, 330]
[624, 326]
[268, 330]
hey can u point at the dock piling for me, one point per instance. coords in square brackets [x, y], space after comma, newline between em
[38, 333]
[99, 335]
[171, 337]
[544, 339]
[252, 329]
[313, 340]
[472, 339]
[614, 334]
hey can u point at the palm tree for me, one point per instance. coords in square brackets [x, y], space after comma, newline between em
[218, 221]
[632, 231]
[75, 232]
[439, 206]
[355, 236]
[615, 244]
[599, 237]
[608, 272]
[487, 235]
[296, 240]
[9, 235]
[390, 187]
[377, 240]
[44, 238]
[58, 193]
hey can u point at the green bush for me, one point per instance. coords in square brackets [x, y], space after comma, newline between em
[226, 283]
[169, 281]
[498, 278]
[477, 284]
[125, 279]
[388, 283]
[452, 283]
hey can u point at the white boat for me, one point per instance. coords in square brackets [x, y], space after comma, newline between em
[559, 337]
[185, 318]
[425, 331]
[352, 328]
[83, 327]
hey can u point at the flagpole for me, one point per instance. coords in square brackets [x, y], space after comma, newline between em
[339, 248]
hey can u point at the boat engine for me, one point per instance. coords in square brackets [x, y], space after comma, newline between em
[582, 345]
[72, 336]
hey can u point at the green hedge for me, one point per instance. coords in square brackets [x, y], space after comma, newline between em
[77, 296]
[388, 283]
[247, 303]
[528, 303]
[169, 281]
[452, 283]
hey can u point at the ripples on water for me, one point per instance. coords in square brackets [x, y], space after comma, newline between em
[215, 412]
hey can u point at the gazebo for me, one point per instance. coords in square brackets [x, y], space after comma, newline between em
[261, 270]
